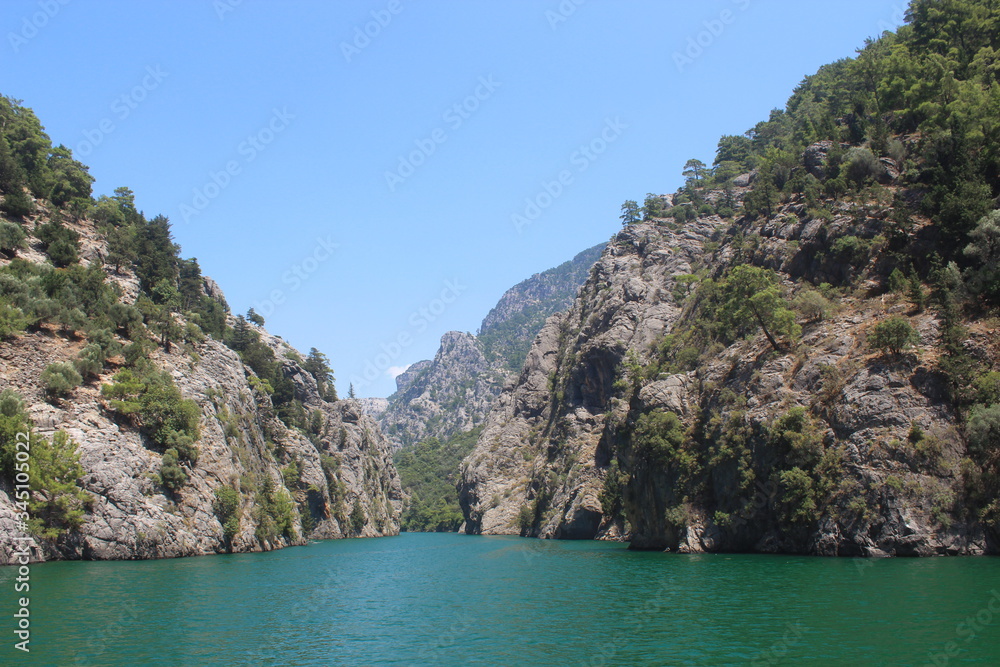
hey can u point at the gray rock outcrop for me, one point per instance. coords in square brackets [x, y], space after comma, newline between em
[558, 456]
[448, 395]
[339, 481]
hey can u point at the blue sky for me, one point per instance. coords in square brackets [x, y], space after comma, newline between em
[368, 192]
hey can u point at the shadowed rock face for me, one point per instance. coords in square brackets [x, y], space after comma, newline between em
[242, 446]
[560, 430]
[539, 450]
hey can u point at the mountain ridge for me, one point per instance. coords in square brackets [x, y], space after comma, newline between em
[453, 392]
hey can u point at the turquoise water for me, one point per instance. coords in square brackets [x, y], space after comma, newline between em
[461, 600]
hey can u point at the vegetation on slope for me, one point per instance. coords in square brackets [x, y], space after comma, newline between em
[47, 205]
[506, 337]
[904, 140]
[428, 472]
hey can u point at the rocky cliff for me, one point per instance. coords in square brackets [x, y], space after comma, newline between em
[623, 424]
[286, 485]
[508, 330]
[541, 439]
[454, 391]
[373, 406]
[448, 395]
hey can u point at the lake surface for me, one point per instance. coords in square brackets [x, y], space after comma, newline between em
[463, 600]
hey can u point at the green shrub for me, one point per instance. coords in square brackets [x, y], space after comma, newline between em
[60, 378]
[525, 518]
[90, 361]
[171, 473]
[274, 512]
[291, 473]
[11, 238]
[153, 398]
[893, 335]
[677, 516]
[126, 318]
[657, 438]
[851, 249]
[983, 277]
[71, 320]
[983, 429]
[181, 443]
[57, 504]
[63, 252]
[898, 282]
[13, 421]
[987, 386]
[796, 435]
[357, 517]
[611, 490]
[17, 204]
[894, 483]
[798, 500]
[686, 359]
[12, 321]
[227, 509]
[861, 165]
[812, 305]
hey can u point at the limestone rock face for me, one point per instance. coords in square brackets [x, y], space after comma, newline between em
[132, 516]
[374, 407]
[450, 394]
[557, 459]
[544, 439]
[815, 158]
[345, 471]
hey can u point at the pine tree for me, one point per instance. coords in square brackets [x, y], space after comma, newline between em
[242, 336]
[630, 212]
[189, 283]
[121, 247]
[253, 317]
[157, 253]
[695, 170]
[318, 365]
